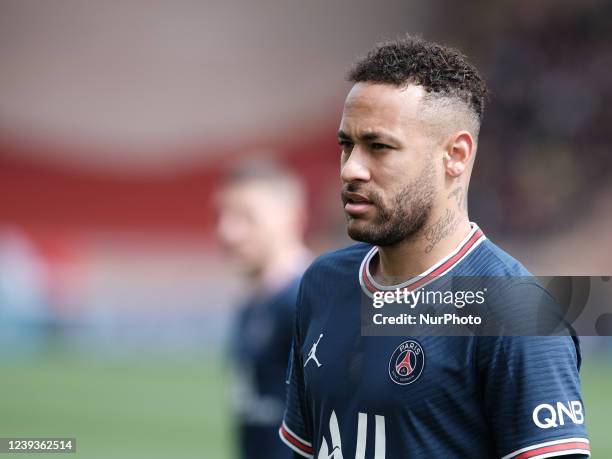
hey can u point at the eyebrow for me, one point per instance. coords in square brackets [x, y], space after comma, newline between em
[368, 137]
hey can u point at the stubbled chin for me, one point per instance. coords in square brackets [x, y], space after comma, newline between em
[357, 228]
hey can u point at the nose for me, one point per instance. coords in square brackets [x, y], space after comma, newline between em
[355, 167]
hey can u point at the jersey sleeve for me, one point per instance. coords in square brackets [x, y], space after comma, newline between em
[532, 396]
[294, 430]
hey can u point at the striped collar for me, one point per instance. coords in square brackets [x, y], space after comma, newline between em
[465, 247]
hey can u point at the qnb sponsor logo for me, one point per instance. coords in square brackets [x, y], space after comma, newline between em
[333, 450]
[546, 416]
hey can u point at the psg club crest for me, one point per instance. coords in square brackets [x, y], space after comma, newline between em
[406, 363]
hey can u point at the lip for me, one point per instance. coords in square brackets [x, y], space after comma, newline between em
[350, 196]
[356, 204]
[356, 209]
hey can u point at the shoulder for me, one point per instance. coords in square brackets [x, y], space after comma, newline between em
[340, 262]
[491, 260]
[517, 302]
[332, 279]
[516, 277]
[286, 296]
[290, 290]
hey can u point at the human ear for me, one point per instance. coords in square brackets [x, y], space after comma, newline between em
[459, 151]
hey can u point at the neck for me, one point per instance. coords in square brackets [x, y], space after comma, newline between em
[284, 264]
[420, 251]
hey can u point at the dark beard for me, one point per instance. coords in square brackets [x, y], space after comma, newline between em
[404, 218]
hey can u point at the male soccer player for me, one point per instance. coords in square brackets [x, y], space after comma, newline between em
[408, 136]
[261, 221]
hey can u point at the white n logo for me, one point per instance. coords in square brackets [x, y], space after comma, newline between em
[362, 433]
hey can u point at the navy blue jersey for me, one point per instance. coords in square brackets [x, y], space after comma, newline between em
[260, 343]
[354, 396]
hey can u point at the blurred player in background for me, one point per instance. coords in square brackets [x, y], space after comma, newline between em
[261, 223]
[408, 138]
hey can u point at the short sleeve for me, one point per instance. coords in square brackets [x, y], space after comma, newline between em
[532, 399]
[295, 429]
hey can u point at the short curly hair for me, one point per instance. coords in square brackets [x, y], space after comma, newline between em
[440, 70]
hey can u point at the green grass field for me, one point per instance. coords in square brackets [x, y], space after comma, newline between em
[135, 408]
[168, 408]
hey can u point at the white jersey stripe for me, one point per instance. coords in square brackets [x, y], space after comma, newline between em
[565, 452]
[548, 443]
[293, 447]
[292, 433]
